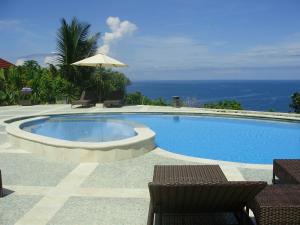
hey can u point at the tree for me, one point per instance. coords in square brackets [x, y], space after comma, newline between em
[107, 82]
[74, 43]
[295, 102]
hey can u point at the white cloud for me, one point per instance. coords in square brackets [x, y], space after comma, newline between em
[278, 54]
[42, 58]
[51, 58]
[119, 29]
[20, 61]
[162, 57]
[178, 52]
[21, 27]
[160, 53]
[10, 24]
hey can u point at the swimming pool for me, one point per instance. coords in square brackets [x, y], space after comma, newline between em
[218, 138]
[81, 128]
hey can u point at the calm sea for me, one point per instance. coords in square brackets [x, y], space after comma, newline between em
[253, 95]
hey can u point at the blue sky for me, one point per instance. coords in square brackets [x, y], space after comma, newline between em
[178, 39]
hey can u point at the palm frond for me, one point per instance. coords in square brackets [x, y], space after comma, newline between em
[74, 42]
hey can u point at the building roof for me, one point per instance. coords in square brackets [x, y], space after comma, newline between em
[5, 64]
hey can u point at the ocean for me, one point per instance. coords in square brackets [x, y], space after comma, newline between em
[253, 95]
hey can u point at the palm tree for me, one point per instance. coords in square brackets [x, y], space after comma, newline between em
[74, 43]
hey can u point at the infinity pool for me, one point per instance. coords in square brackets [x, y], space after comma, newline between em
[219, 138]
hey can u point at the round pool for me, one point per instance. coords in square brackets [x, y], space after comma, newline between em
[81, 138]
[81, 128]
[218, 138]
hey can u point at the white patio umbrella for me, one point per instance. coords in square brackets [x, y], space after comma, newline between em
[100, 60]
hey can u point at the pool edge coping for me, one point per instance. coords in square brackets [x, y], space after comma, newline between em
[269, 116]
[168, 154]
[14, 129]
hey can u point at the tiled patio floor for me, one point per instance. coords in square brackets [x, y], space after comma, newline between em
[41, 191]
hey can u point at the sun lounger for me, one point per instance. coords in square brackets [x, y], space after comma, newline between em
[112, 103]
[115, 100]
[198, 195]
[287, 171]
[87, 99]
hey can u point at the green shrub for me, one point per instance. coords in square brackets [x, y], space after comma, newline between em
[225, 104]
[159, 101]
[295, 105]
[138, 98]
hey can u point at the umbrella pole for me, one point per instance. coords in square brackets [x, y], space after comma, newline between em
[100, 84]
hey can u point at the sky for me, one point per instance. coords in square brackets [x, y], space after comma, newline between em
[166, 39]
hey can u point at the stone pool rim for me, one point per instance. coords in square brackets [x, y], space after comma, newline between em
[142, 142]
[15, 129]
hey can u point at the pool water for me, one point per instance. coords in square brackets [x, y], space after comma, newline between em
[219, 138]
[81, 128]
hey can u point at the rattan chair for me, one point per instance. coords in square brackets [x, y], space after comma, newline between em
[116, 99]
[287, 171]
[87, 99]
[200, 203]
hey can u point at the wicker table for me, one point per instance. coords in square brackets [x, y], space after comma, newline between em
[186, 173]
[287, 171]
[277, 205]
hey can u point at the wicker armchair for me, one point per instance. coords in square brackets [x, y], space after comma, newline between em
[87, 99]
[287, 171]
[191, 199]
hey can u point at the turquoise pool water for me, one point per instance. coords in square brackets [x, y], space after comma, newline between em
[220, 138]
[81, 128]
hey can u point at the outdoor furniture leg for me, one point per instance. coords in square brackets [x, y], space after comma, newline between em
[158, 217]
[273, 180]
[150, 214]
[243, 217]
[287, 171]
[1, 189]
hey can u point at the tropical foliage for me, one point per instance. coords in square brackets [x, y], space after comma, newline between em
[63, 80]
[74, 42]
[138, 98]
[295, 102]
[225, 104]
[47, 86]
[107, 82]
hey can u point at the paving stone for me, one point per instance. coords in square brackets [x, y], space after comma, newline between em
[102, 211]
[3, 138]
[132, 173]
[30, 169]
[13, 207]
[2, 128]
[257, 174]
